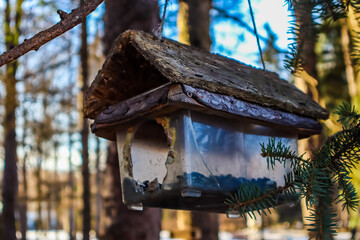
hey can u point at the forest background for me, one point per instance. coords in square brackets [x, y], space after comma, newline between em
[50, 153]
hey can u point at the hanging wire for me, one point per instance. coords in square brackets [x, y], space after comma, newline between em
[256, 34]
[163, 18]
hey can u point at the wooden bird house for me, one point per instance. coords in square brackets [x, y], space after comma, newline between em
[189, 124]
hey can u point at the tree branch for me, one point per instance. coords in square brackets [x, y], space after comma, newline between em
[68, 21]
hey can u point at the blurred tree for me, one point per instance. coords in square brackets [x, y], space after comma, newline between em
[23, 202]
[98, 188]
[85, 131]
[121, 15]
[55, 187]
[12, 21]
[306, 48]
[350, 39]
[350, 45]
[42, 131]
[71, 126]
[72, 189]
[96, 59]
[182, 22]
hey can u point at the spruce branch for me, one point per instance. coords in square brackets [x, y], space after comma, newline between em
[309, 16]
[347, 115]
[348, 196]
[323, 221]
[316, 180]
[251, 198]
[278, 152]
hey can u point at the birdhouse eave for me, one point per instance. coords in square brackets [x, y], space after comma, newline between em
[174, 96]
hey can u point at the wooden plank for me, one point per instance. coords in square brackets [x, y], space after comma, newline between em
[141, 103]
[172, 97]
[241, 108]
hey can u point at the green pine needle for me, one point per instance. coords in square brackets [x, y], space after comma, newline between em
[317, 180]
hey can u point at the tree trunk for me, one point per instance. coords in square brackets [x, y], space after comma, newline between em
[85, 135]
[56, 194]
[194, 23]
[207, 223]
[182, 23]
[303, 15]
[10, 180]
[98, 189]
[121, 15]
[48, 204]
[72, 188]
[39, 225]
[352, 28]
[23, 204]
[349, 68]
[199, 23]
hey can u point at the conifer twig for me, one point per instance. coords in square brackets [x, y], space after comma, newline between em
[278, 190]
[68, 21]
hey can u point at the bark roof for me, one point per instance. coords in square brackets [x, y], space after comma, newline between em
[140, 61]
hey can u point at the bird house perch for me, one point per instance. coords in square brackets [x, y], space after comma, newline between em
[189, 124]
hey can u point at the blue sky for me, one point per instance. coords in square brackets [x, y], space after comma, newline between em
[273, 12]
[234, 41]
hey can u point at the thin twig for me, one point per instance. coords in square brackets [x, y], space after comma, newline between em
[278, 190]
[68, 21]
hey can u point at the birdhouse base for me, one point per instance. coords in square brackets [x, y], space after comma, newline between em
[192, 161]
[208, 196]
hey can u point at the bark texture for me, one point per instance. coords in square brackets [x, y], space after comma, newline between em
[125, 224]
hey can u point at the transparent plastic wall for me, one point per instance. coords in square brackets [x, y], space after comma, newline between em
[193, 161]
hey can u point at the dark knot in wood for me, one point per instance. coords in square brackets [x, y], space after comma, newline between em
[62, 14]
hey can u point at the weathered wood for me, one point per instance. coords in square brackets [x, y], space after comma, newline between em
[140, 61]
[132, 106]
[169, 98]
